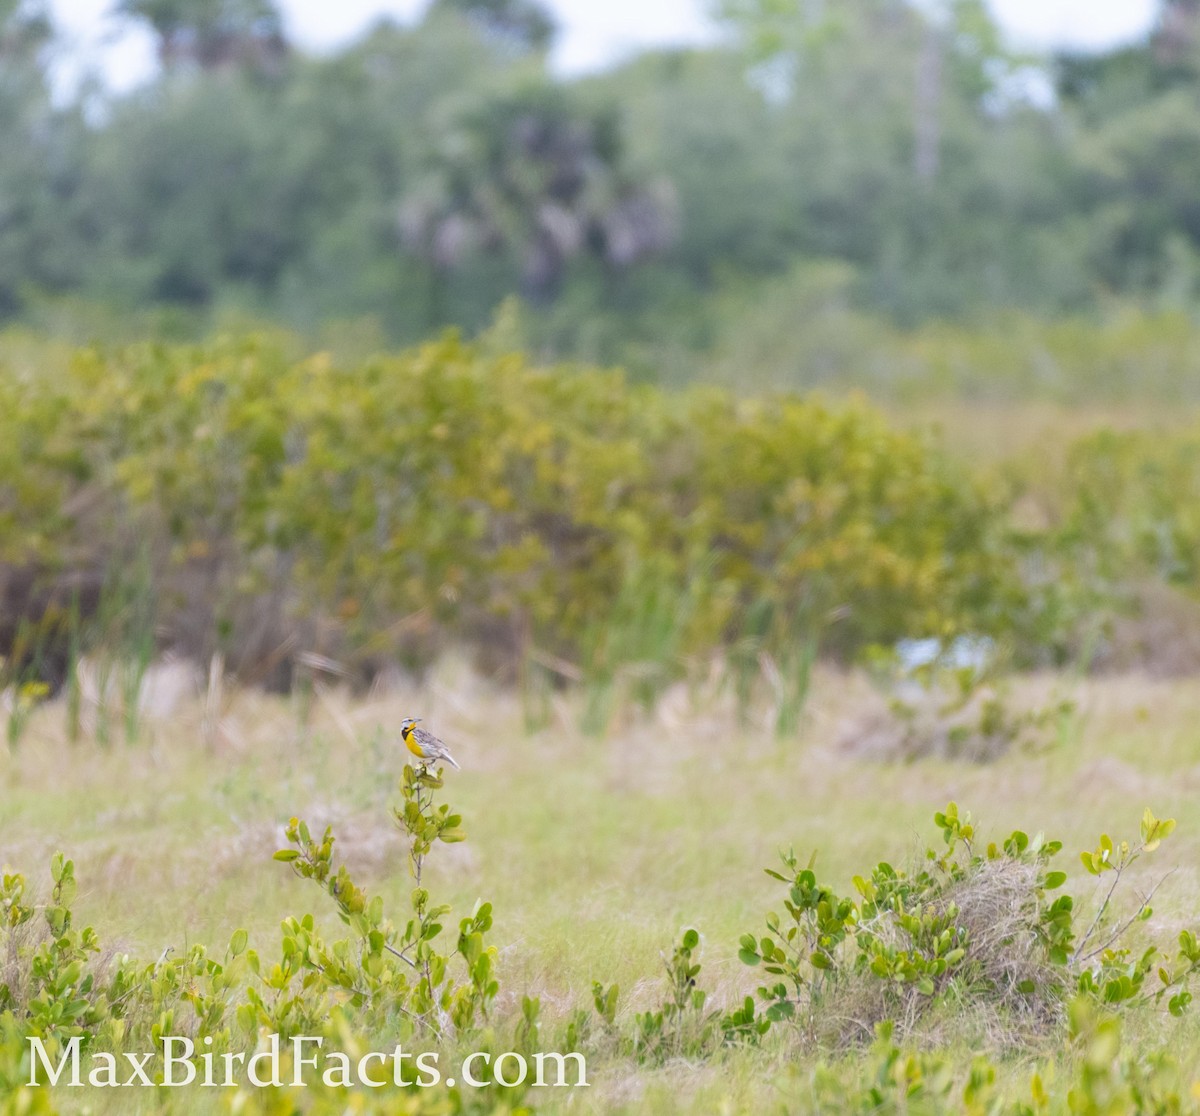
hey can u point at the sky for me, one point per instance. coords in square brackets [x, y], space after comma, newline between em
[593, 32]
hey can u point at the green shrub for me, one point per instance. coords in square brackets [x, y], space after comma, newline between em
[969, 926]
[1130, 508]
[955, 704]
[1097, 1074]
[399, 974]
[382, 982]
[561, 515]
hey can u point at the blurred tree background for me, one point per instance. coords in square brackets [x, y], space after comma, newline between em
[833, 174]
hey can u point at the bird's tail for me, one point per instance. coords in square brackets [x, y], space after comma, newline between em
[451, 761]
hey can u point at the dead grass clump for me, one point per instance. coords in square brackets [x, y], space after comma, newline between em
[1006, 993]
[924, 724]
[999, 907]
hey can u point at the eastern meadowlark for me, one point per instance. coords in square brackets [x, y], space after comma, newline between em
[424, 745]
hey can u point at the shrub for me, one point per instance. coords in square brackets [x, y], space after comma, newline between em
[1098, 1074]
[398, 974]
[1129, 512]
[970, 928]
[383, 982]
[976, 928]
[561, 515]
[955, 704]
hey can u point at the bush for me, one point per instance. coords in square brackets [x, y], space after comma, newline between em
[382, 983]
[973, 928]
[398, 974]
[971, 934]
[1130, 512]
[278, 506]
[954, 703]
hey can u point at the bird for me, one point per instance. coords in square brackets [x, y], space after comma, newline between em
[424, 745]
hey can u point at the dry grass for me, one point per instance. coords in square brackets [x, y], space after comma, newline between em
[1159, 634]
[998, 906]
[912, 721]
[595, 853]
[925, 729]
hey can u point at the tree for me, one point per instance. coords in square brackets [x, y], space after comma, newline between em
[39, 167]
[889, 116]
[212, 33]
[513, 26]
[538, 180]
[1136, 154]
[1176, 38]
[194, 190]
[25, 29]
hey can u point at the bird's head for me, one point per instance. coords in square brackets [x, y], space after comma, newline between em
[407, 726]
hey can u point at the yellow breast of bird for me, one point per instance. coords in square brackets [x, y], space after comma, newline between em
[414, 745]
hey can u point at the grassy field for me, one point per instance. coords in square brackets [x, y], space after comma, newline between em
[596, 853]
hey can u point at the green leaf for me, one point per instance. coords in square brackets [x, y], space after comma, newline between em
[287, 855]
[1154, 830]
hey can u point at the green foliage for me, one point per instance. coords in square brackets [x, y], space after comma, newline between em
[55, 983]
[1101, 1075]
[805, 329]
[54, 994]
[956, 702]
[914, 936]
[680, 1026]
[231, 500]
[910, 937]
[447, 493]
[605, 1001]
[895, 1080]
[255, 179]
[533, 178]
[1125, 514]
[1118, 973]
[397, 972]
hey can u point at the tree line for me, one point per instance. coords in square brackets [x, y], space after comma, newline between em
[425, 173]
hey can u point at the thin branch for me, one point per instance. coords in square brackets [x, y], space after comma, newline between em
[397, 953]
[1100, 913]
[1131, 920]
[367, 994]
